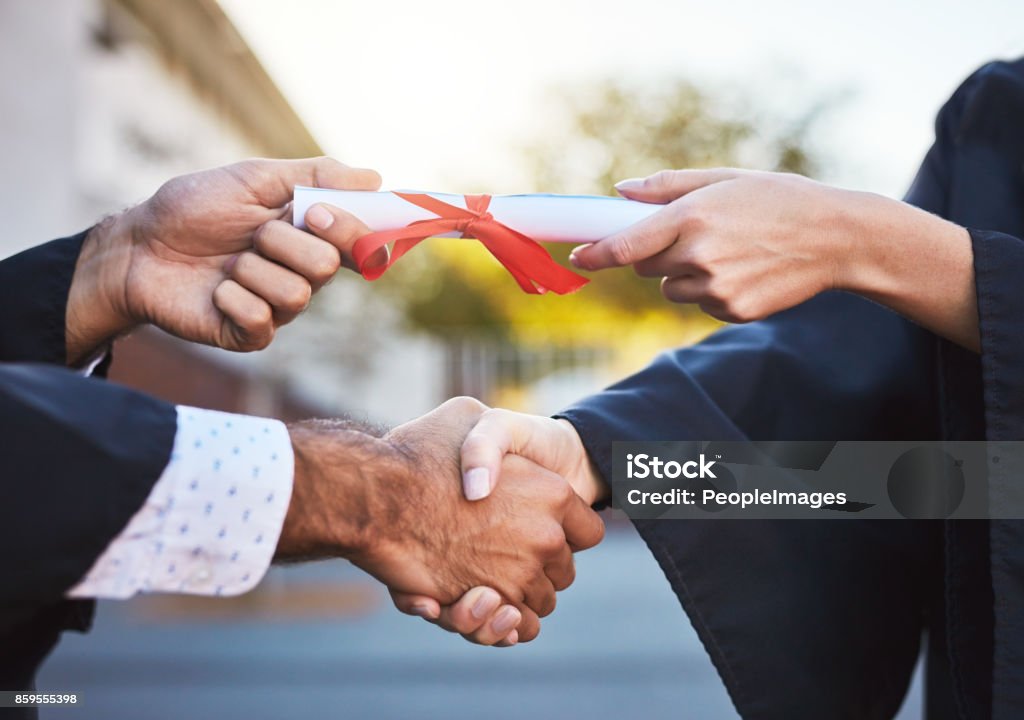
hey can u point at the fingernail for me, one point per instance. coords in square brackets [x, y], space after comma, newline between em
[574, 255]
[424, 611]
[512, 638]
[507, 619]
[319, 217]
[485, 604]
[629, 184]
[476, 483]
[229, 264]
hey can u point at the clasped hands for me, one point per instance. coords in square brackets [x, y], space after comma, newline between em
[487, 569]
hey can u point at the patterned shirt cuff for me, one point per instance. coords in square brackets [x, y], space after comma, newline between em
[211, 523]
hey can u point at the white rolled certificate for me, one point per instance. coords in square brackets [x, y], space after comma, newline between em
[543, 217]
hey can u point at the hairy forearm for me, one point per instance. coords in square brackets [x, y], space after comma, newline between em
[339, 466]
[914, 262]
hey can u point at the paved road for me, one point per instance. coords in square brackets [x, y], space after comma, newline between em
[321, 642]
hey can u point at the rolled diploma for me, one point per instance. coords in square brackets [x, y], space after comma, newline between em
[548, 218]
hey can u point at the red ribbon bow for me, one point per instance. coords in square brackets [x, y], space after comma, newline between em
[528, 262]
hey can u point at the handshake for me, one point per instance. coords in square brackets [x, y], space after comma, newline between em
[489, 568]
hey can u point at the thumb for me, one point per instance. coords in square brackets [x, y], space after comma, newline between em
[667, 185]
[498, 433]
[273, 181]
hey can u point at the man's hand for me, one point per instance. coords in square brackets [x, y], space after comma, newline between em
[393, 506]
[212, 258]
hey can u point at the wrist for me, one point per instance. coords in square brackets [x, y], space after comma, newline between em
[336, 491]
[585, 478]
[845, 238]
[889, 244]
[96, 311]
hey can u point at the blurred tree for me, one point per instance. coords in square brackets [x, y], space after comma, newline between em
[610, 131]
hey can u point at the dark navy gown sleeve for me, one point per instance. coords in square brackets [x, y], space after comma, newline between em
[790, 611]
[822, 619]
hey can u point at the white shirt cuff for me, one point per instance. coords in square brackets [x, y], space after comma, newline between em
[211, 523]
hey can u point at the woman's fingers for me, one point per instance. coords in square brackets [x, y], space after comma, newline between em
[482, 618]
[288, 293]
[667, 185]
[483, 450]
[642, 240]
[499, 630]
[687, 289]
[497, 434]
[479, 615]
[656, 233]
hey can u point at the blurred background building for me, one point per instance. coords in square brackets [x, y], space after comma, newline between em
[103, 100]
[113, 97]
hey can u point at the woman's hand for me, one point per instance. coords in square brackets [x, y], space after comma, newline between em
[740, 244]
[212, 256]
[743, 245]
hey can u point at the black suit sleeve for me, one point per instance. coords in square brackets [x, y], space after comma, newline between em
[78, 457]
[33, 297]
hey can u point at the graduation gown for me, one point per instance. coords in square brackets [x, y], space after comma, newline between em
[824, 619]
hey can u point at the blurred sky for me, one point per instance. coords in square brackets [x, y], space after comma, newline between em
[440, 95]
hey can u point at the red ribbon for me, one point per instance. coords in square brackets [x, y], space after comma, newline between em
[528, 262]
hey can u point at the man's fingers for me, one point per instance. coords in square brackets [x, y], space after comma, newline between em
[582, 526]
[529, 625]
[667, 185]
[341, 230]
[418, 605]
[539, 595]
[273, 181]
[314, 259]
[561, 571]
[248, 319]
[288, 293]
